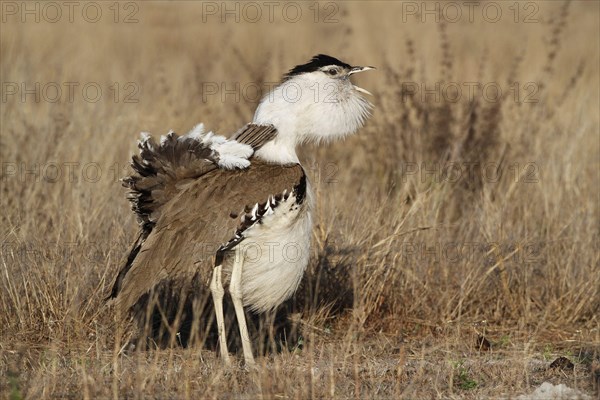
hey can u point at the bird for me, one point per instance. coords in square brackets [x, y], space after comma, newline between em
[233, 213]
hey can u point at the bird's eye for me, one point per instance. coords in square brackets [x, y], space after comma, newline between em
[332, 71]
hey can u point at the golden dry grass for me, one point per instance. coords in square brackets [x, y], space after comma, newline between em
[409, 267]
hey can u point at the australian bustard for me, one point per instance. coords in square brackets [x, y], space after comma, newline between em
[200, 189]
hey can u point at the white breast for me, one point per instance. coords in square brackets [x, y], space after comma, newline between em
[275, 254]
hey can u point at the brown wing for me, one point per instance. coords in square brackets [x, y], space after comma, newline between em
[203, 216]
[161, 169]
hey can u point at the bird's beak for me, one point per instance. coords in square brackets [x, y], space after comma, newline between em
[354, 70]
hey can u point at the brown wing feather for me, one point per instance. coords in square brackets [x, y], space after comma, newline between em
[255, 135]
[197, 221]
[159, 167]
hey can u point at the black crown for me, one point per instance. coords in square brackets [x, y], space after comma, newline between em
[318, 61]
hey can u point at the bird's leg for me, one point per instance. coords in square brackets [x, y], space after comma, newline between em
[216, 288]
[235, 288]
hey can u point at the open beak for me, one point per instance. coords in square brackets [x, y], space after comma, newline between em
[354, 70]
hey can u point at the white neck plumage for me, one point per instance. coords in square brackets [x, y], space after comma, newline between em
[309, 109]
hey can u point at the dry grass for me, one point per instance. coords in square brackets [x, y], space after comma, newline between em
[409, 268]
